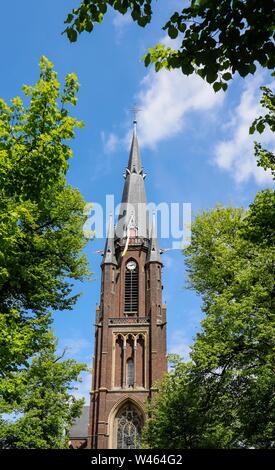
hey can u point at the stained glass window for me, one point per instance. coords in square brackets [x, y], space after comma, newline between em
[129, 425]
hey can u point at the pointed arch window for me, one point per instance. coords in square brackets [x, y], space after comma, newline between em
[131, 288]
[130, 372]
[129, 426]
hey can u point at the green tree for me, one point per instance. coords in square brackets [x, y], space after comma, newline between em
[229, 381]
[266, 159]
[182, 415]
[45, 408]
[217, 37]
[41, 235]
[41, 216]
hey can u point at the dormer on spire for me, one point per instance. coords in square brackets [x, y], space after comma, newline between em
[109, 256]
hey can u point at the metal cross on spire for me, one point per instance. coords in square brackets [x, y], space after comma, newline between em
[135, 112]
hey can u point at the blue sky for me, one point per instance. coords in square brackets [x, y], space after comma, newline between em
[194, 144]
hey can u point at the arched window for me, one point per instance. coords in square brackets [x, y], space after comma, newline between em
[140, 362]
[118, 373]
[129, 425]
[130, 372]
[131, 288]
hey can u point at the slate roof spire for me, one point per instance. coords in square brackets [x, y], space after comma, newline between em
[133, 202]
[134, 162]
[109, 255]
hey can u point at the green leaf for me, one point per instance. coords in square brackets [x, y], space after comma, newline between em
[147, 60]
[89, 26]
[72, 34]
[142, 21]
[224, 86]
[174, 17]
[217, 86]
[172, 32]
[187, 69]
[182, 27]
[252, 68]
[252, 129]
[244, 70]
[102, 7]
[70, 18]
[260, 127]
[158, 66]
[227, 76]
[211, 76]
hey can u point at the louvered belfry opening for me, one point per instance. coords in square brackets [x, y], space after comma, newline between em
[131, 291]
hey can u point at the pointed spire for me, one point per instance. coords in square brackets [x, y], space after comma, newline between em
[133, 197]
[134, 163]
[109, 256]
[154, 251]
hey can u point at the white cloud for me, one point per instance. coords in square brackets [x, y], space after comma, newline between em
[110, 142]
[236, 154]
[179, 344]
[166, 99]
[121, 21]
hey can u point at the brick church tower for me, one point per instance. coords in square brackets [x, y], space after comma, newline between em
[130, 326]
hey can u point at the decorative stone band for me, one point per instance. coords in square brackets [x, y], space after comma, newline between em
[131, 320]
[134, 241]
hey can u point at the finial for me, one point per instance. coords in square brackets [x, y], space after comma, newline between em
[135, 112]
[109, 256]
[154, 251]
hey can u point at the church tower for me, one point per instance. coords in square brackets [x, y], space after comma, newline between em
[130, 326]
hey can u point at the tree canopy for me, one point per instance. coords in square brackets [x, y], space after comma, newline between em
[265, 158]
[41, 241]
[214, 38]
[41, 216]
[224, 396]
[45, 407]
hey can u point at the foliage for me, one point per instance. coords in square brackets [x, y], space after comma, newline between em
[224, 396]
[217, 37]
[45, 408]
[181, 415]
[41, 239]
[41, 217]
[266, 159]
